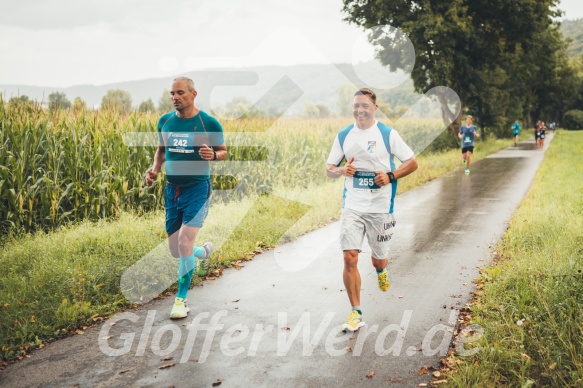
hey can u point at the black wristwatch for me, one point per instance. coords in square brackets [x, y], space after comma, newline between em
[215, 157]
[391, 177]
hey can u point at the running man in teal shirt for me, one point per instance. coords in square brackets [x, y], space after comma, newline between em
[188, 140]
[516, 132]
[467, 134]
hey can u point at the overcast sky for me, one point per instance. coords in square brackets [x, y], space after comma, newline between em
[70, 42]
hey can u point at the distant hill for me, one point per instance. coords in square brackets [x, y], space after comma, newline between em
[272, 88]
[574, 29]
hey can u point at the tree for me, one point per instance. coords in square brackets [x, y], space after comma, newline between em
[117, 99]
[472, 47]
[165, 102]
[147, 106]
[240, 107]
[345, 97]
[19, 100]
[58, 100]
[79, 104]
[317, 110]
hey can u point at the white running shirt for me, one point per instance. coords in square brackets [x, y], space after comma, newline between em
[373, 149]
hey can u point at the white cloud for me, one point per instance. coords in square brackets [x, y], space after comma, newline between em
[573, 9]
[63, 43]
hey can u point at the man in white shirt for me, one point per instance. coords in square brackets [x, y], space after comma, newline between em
[370, 185]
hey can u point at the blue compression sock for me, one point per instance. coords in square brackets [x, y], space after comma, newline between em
[198, 252]
[185, 271]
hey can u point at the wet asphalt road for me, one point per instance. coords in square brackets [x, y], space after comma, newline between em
[276, 322]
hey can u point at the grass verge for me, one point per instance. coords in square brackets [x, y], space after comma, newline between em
[53, 284]
[531, 304]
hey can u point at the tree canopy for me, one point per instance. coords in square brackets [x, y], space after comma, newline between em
[165, 102]
[147, 106]
[118, 99]
[503, 58]
[58, 100]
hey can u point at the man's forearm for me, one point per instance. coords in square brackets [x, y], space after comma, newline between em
[221, 153]
[406, 168]
[334, 171]
[159, 159]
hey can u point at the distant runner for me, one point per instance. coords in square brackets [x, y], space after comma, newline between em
[516, 132]
[542, 135]
[537, 134]
[370, 185]
[188, 140]
[467, 133]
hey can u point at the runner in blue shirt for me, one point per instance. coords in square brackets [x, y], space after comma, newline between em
[516, 132]
[467, 134]
[189, 139]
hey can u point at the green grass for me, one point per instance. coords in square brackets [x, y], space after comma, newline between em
[539, 279]
[51, 284]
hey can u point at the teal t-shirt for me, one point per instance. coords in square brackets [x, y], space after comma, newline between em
[182, 139]
[516, 129]
[468, 135]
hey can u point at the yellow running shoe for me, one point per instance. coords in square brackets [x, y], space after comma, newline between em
[354, 322]
[179, 309]
[384, 280]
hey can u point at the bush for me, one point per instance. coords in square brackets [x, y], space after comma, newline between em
[573, 119]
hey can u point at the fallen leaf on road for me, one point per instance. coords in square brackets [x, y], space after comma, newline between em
[349, 349]
[436, 373]
[370, 374]
[43, 345]
[285, 328]
[121, 372]
[422, 371]
[166, 358]
[80, 332]
[437, 382]
[218, 382]
[423, 384]
[210, 278]
[166, 366]
[106, 338]
[400, 296]
[235, 301]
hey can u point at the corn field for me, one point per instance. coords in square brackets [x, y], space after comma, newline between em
[58, 167]
[62, 166]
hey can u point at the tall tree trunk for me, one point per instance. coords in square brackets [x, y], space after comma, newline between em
[449, 117]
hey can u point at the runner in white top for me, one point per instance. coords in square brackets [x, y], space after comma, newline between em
[370, 186]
